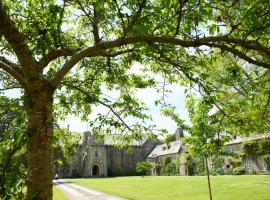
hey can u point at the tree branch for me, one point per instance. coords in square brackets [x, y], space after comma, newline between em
[16, 39]
[95, 25]
[243, 56]
[15, 73]
[54, 54]
[102, 103]
[211, 42]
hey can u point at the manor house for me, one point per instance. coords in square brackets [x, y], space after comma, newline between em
[102, 157]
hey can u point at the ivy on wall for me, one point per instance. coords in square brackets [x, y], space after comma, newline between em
[256, 148]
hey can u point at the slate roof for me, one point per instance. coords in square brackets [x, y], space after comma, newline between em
[164, 149]
[250, 138]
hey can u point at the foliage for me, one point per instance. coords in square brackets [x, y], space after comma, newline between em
[217, 163]
[235, 162]
[256, 147]
[65, 145]
[239, 171]
[251, 148]
[158, 167]
[167, 160]
[13, 166]
[12, 150]
[169, 138]
[205, 131]
[191, 164]
[266, 159]
[143, 167]
[170, 169]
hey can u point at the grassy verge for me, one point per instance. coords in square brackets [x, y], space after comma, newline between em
[186, 188]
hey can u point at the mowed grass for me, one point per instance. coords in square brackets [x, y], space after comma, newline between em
[182, 187]
[58, 195]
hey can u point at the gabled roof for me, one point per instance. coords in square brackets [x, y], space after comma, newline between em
[164, 149]
[250, 138]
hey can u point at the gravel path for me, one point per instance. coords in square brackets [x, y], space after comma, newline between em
[76, 192]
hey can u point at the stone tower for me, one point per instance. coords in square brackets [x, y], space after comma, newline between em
[94, 161]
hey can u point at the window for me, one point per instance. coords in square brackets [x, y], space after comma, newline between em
[248, 165]
[263, 165]
[163, 148]
[96, 153]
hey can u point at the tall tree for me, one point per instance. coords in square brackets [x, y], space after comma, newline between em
[53, 47]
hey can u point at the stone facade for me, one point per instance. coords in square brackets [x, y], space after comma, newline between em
[101, 157]
[236, 146]
[174, 151]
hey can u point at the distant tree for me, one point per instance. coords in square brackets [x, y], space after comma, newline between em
[206, 140]
[142, 168]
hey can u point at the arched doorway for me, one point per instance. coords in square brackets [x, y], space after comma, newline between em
[95, 170]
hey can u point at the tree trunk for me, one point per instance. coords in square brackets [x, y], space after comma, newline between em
[208, 178]
[39, 145]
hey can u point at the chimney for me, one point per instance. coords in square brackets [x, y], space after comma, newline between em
[179, 134]
[86, 134]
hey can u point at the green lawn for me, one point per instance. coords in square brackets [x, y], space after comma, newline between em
[58, 195]
[182, 188]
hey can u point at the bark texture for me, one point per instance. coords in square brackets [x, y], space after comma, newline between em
[208, 178]
[39, 144]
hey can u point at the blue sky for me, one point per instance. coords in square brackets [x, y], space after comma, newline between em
[176, 98]
[148, 96]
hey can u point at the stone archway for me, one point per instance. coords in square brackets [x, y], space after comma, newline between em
[95, 170]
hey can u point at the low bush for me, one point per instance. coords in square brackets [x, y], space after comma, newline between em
[142, 168]
[239, 171]
[170, 169]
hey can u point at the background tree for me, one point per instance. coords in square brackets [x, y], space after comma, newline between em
[205, 139]
[48, 45]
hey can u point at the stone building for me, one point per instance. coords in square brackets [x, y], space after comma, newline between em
[236, 146]
[174, 151]
[100, 157]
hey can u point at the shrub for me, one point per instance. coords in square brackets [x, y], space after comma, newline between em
[266, 159]
[167, 161]
[158, 168]
[239, 171]
[229, 171]
[143, 167]
[170, 169]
